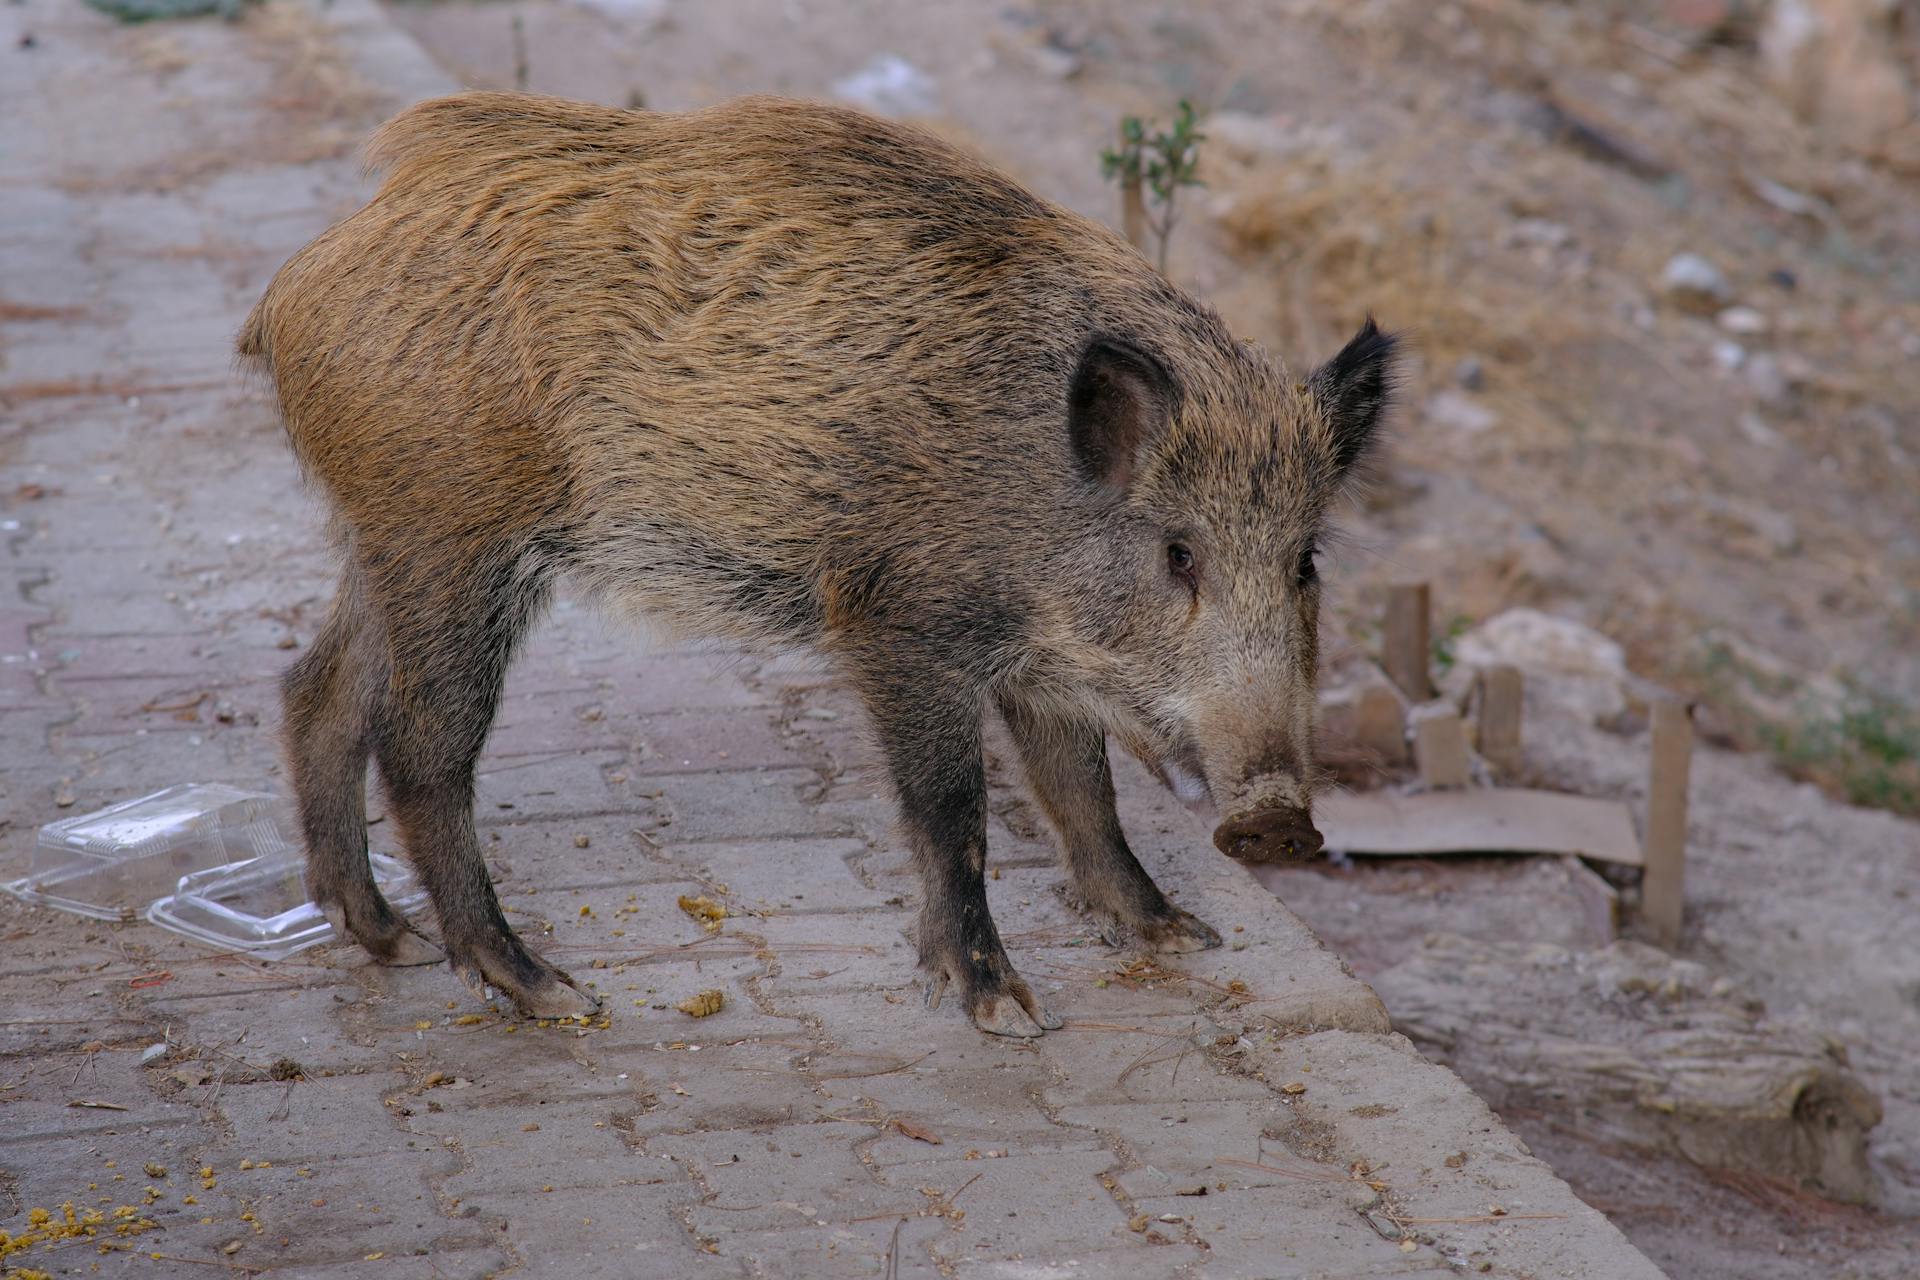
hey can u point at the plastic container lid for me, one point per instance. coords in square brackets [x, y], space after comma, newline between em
[260, 906]
[112, 863]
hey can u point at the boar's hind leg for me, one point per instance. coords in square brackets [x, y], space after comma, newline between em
[328, 697]
[1066, 762]
[452, 633]
[930, 731]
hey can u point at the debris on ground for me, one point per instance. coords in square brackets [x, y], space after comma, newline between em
[705, 910]
[704, 1005]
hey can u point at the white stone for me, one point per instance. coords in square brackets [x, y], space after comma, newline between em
[1572, 665]
[1692, 280]
[1536, 641]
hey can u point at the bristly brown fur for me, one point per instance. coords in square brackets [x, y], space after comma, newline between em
[779, 371]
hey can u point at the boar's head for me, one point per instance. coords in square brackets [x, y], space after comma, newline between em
[1192, 618]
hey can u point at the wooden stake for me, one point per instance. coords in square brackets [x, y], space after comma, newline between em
[1661, 888]
[1440, 744]
[1408, 641]
[1502, 696]
[1380, 723]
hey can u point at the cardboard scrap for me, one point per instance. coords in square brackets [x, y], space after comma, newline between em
[1503, 820]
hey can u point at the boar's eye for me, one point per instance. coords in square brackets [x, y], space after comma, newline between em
[1180, 565]
[1308, 573]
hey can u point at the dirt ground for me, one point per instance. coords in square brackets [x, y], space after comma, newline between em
[1730, 496]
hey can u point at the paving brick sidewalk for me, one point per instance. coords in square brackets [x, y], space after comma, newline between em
[1198, 1120]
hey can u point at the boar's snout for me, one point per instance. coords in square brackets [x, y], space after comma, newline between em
[1270, 835]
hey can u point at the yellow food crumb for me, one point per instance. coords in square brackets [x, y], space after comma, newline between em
[423, 1025]
[704, 909]
[190, 1200]
[704, 1005]
[469, 1019]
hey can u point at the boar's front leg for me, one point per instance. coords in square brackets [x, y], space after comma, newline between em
[1066, 762]
[929, 727]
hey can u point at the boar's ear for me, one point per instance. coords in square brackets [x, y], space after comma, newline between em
[1353, 390]
[1120, 401]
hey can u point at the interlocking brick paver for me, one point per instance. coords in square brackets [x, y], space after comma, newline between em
[823, 1123]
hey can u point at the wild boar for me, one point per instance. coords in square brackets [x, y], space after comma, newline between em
[783, 372]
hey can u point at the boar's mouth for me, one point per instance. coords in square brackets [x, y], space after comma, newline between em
[1269, 835]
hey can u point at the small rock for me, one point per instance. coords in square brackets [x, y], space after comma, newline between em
[1781, 278]
[1787, 200]
[1742, 320]
[152, 1052]
[1695, 284]
[1470, 374]
[1729, 355]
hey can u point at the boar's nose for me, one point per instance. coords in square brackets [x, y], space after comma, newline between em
[1271, 835]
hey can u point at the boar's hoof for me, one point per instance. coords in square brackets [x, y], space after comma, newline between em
[1271, 835]
[543, 992]
[400, 945]
[410, 948]
[1178, 931]
[1004, 1015]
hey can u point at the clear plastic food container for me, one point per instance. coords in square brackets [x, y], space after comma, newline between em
[212, 862]
[111, 864]
[260, 906]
